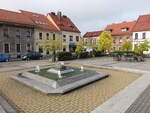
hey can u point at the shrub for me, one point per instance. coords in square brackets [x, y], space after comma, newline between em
[62, 56]
[122, 53]
[84, 55]
[74, 56]
[97, 53]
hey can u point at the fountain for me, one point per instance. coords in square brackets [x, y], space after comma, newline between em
[59, 78]
[60, 68]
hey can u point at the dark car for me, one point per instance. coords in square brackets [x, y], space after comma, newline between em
[32, 56]
[4, 58]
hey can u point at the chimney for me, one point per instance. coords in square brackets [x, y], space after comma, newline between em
[59, 14]
[53, 13]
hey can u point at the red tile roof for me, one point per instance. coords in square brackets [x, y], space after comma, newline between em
[92, 34]
[142, 24]
[14, 17]
[40, 20]
[116, 28]
[64, 23]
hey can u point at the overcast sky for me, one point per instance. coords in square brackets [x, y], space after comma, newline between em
[88, 15]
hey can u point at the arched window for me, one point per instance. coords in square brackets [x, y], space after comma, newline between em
[136, 36]
[144, 35]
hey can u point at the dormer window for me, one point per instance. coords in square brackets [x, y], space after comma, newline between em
[124, 29]
[34, 15]
[110, 30]
[39, 22]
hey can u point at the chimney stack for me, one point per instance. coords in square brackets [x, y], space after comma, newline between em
[59, 14]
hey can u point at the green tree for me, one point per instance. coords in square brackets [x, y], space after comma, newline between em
[80, 47]
[51, 45]
[126, 46]
[139, 49]
[105, 41]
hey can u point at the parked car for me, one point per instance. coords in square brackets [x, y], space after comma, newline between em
[4, 58]
[32, 56]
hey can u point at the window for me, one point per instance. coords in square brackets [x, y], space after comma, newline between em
[40, 50]
[40, 36]
[110, 30]
[77, 38]
[34, 15]
[71, 38]
[144, 35]
[47, 52]
[64, 49]
[47, 35]
[124, 29]
[120, 41]
[54, 36]
[64, 38]
[18, 33]
[28, 47]
[136, 36]
[94, 41]
[114, 41]
[6, 48]
[5, 32]
[28, 34]
[42, 23]
[86, 41]
[18, 48]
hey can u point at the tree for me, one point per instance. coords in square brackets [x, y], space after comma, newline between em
[105, 41]
[51, 45]
[126, 46]
[80, 47]
[139, 49]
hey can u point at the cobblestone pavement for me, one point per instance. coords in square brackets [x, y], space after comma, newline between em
[82, 100]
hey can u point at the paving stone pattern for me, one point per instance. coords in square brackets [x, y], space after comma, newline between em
[142, 103]
[26, 100]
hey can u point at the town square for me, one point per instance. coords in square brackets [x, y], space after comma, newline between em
[74, 56]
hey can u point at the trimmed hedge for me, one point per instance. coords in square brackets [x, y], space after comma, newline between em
[97, 53]
[84, 55]
[62, 56]
[122, 53]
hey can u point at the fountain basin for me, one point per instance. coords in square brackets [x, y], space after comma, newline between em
[49, 82]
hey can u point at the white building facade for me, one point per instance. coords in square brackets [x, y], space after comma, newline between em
[140, 37]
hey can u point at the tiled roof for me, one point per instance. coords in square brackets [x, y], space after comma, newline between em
[14, 17]
[142, 24]
[40, 20]
[64, 23]
[116, 29]
[92, 34]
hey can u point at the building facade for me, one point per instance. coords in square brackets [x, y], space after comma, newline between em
[141, 31]
[91, 39]
[44, 30]
[121, 32]
[16, 34]
[70, 34]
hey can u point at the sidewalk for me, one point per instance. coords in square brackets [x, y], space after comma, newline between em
[121, 102]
